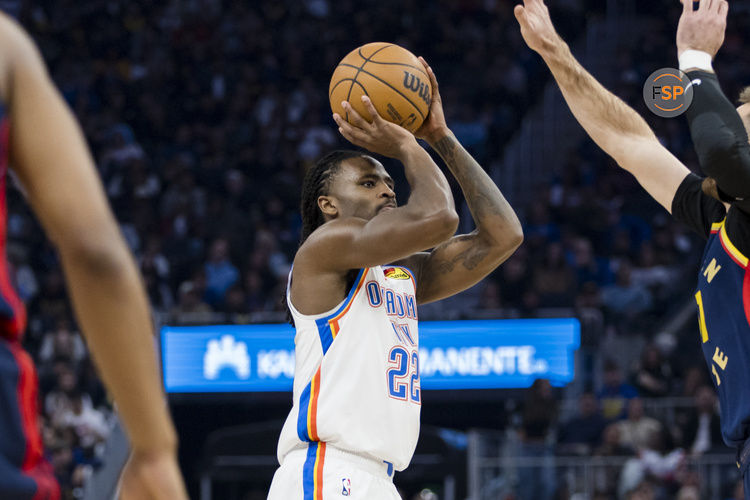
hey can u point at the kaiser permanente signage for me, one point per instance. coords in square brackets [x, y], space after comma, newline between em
[486, 354]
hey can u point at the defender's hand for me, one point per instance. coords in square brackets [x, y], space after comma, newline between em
[536, 26]
[702, 29]
[152, 476]
[434, 126]
[380, 136]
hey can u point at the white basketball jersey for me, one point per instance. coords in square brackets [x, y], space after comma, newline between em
[356, 379]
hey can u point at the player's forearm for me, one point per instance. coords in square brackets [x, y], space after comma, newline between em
[430, 196]
[605, 117]
[111, 307]
[719, 136]
[496, 221]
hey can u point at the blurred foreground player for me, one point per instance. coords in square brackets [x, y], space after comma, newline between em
[357, 277]
[721, 141]
[723, 295]
[41, 140]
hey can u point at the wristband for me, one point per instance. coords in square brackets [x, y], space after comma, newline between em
[696, 59]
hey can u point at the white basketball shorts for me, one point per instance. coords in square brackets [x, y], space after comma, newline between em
[323, 472]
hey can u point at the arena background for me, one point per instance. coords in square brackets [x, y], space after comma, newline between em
[203, 115]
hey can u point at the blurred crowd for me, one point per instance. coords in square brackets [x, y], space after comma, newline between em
[202, 116]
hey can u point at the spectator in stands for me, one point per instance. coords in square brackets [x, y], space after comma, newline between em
[653, 375]
[220, 272]
[538, 416]
[582, 434]
[607, 478]
[703, 431]
[190, 300]
[625, 299]
[637, 430]
[88, 424]
[615, 393]
[62, 344]
[553, 279]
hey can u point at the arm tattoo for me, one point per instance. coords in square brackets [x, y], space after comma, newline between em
[492, 213]
[469, 257]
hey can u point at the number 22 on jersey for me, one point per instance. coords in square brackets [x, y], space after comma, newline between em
[403, 375]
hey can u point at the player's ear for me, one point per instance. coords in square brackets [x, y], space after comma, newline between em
[328, 205]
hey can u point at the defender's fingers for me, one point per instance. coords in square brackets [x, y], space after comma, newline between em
[520, 12]
[687, 6]
[354, 117]
[704, 5]
[723, 8]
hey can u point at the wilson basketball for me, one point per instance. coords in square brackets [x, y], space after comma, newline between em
[391, 76]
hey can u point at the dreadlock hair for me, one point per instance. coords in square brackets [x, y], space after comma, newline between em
[318, 183]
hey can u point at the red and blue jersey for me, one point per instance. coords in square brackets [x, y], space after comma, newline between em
[723, 300]
[12, 311]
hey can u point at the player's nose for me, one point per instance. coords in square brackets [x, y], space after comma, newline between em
[387, 192]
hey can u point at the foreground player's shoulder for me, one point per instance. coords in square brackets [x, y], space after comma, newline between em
[17, 49]
[328, 240]
[696, 209]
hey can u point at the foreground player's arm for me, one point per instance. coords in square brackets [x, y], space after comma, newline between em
[427, 219]
[463, 260]
[718, 133]
[51, 160]
[611, 123]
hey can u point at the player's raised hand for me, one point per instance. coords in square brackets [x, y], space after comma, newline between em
[702, 29]
[536, 26]
[379, 136]
[152, 476]
[434, 126]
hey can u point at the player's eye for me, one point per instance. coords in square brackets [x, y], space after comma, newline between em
[368, 184]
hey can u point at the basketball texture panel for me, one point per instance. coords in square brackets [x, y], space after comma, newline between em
[403, 81]
[369, 49]
[342, 84]
[394, 55]
[393, 106]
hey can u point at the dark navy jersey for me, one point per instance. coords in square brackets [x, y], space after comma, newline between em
[723, 300]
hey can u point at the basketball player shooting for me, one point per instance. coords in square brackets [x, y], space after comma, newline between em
[713, 207]
[359, 272]
[50, 158]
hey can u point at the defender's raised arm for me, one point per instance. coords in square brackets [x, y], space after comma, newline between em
[611, 123]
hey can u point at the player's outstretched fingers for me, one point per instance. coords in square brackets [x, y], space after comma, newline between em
[354, 117]
[350, 133]
[520, 12]
[370, 107]
[430, 74]
[687, 6]
[723, 8]
[704, 5]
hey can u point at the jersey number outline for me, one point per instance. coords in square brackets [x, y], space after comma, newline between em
[701, 317]
[403, 375]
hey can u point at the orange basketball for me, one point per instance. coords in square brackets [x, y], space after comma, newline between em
[391, 76]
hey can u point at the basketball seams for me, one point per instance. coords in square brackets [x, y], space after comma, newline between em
[395, 90]
[361, 70]
[421, 70]
[354, 79]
